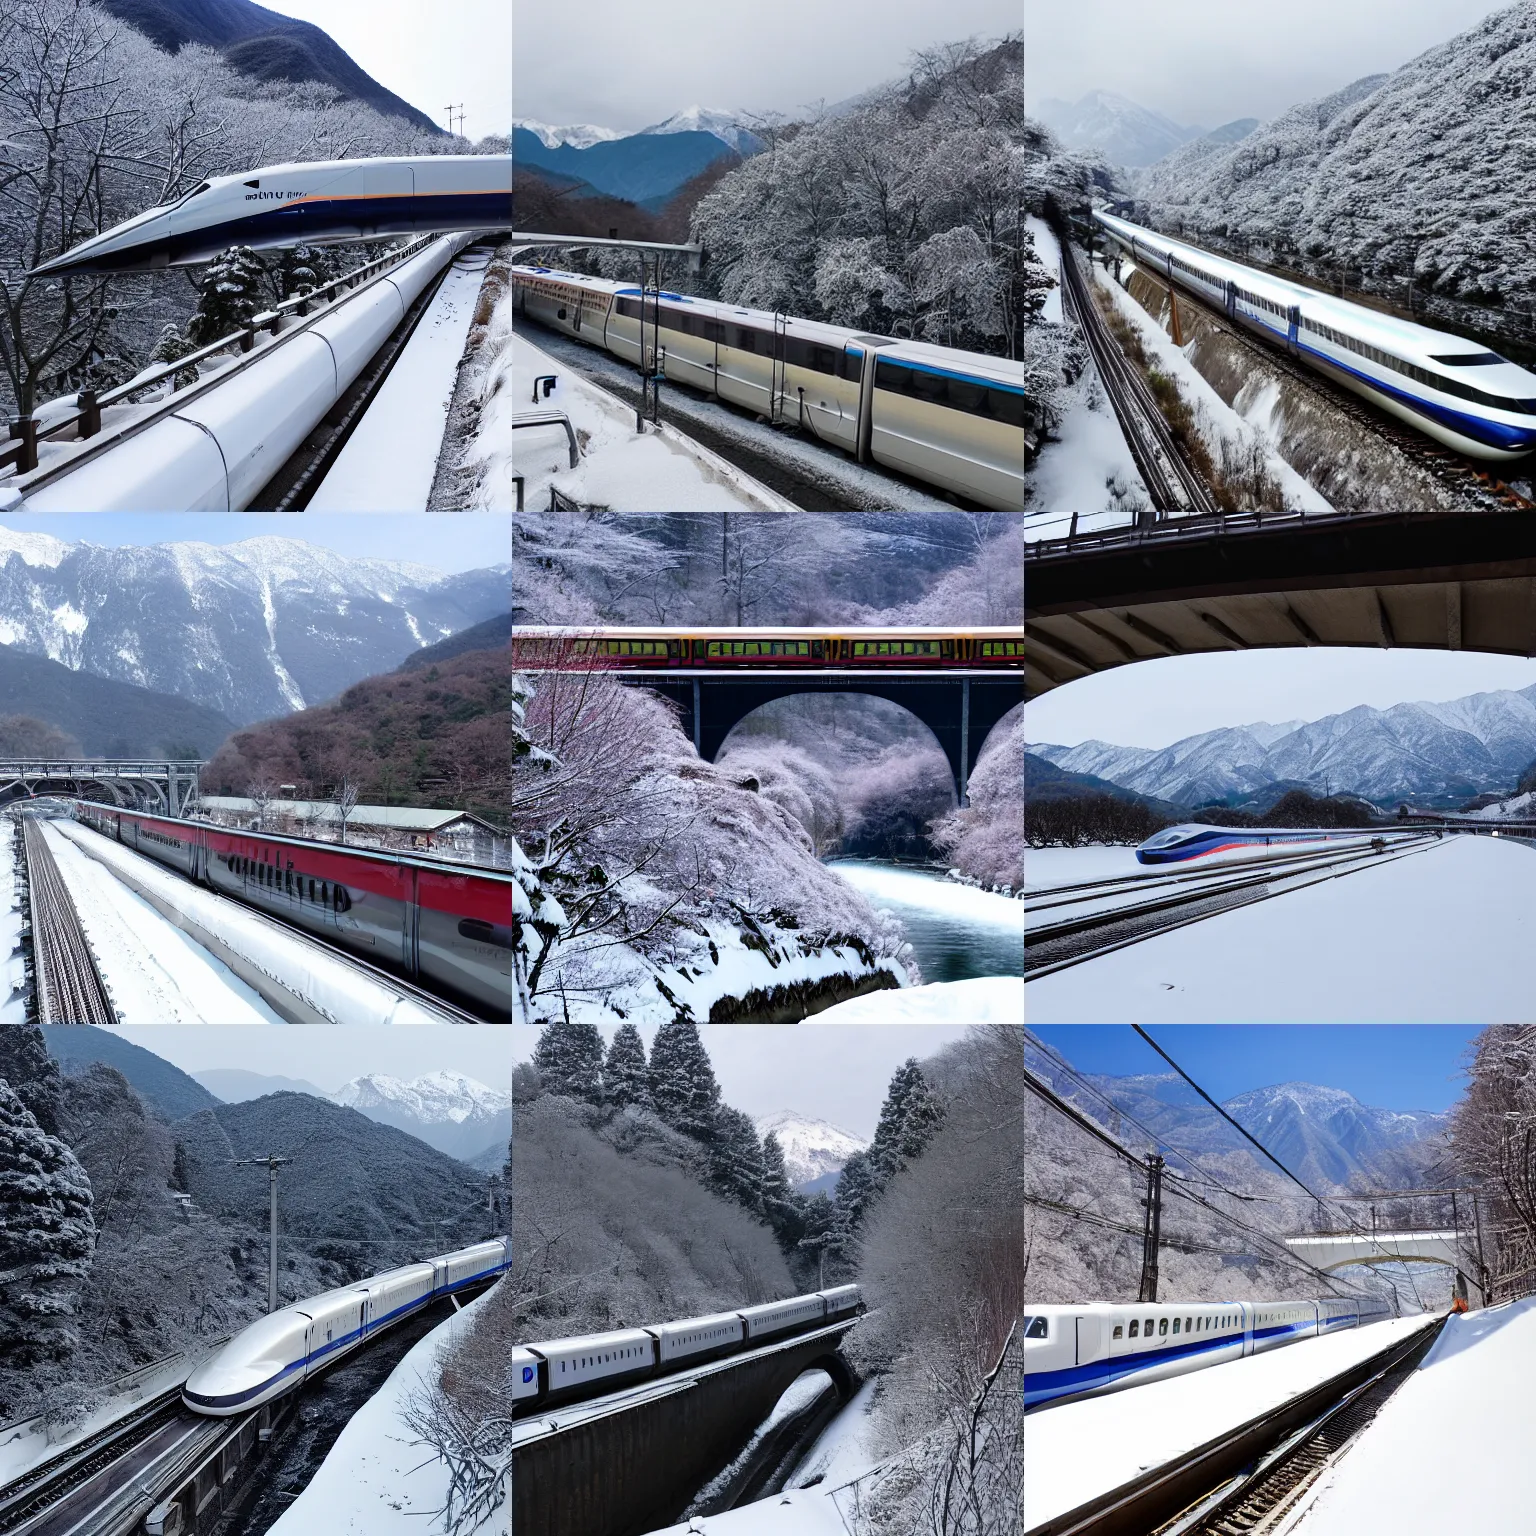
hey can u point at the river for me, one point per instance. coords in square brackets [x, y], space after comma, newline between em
[956, 931]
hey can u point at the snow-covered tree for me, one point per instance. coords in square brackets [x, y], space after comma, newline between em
[781, 1208]
[32, 1073]
[569, 1059]
[820, 1232]
[626, 1075]
[170, 348]
[736, 1159]
[47, 1237]
[683, 1085]
[233, 290]
[857, 1184]
[302, 269]
[908, 1118]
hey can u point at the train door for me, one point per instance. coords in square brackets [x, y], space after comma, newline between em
[1293, 325]
[410, 938]
[1231, 303]
[778, 381]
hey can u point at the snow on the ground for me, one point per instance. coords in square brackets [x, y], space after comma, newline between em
[13, 967]
[720, 965]
[861, 486]
[335, 990]
[1442, 936]
[659, 471]
[153, 972]
[800, 1395]
[1049, 251]
[26, 1443]
[1450, 1451]
[803, 1512]
[1086, 468]
[1076, 1451]
[378, 1479]
[1070, 866]
[842, 1450]
[1216, 420]
[389, 461]
[981, 1000]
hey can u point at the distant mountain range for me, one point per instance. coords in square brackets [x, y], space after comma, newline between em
[1433, 754]
[1124, 132]
[249, 630]
[814, 1150]
[1325, 1136]
[263, 44]
[729, 127]
[643, 168]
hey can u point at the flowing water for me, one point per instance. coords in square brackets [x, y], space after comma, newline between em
[956, 931]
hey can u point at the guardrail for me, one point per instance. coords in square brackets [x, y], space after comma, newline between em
[27, 431]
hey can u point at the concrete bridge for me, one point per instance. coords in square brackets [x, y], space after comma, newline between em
[960, 707]
[1462, 580]
[631, 1461]
[167, 789]
[1337, 1250]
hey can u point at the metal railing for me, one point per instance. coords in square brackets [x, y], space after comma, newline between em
[27, 431]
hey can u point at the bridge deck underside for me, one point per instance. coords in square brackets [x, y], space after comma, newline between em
[1463, 582]
[1385, 1248]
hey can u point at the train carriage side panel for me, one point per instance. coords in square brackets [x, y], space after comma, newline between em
[464, 935]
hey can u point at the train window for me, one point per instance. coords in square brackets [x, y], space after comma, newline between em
[1162, 1326]
[745, 339]
[1002, 647]
[1119, 1331]
[1148, 1329]
[629, 308]
[1036, 1327]
[341, 900]
[1186, 1325]
[311, 890]
[1135, 1328]
[1175, 1325]
[485, 933]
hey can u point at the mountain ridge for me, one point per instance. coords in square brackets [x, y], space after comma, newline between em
[814, 1150]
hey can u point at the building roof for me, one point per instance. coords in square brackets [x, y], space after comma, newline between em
[402, 818]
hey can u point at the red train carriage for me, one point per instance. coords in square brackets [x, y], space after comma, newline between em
[447, 928]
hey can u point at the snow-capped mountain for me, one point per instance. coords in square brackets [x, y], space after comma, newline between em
[1434, 751]
[812, 1148]
[577, 135]
[1124, 132]
[729, 127]
[254, 629]
[451, 1111]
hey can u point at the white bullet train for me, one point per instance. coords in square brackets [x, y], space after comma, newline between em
[309, 202]
[1102, 1346]
[1178, 845]
[288, 1346]
[560, 1369]
[946, 417]
[1453, 390]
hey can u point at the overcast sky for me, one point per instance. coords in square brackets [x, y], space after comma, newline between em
[1204, 64]
[832, 1072]
[428, 52]
[330, 1055]
[1154, 703]
[625, 65]
[459, 541]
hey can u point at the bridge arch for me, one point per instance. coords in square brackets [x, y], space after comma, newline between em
[166, 789]
[1332, 1251]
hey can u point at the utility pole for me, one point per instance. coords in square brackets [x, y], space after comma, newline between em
[272, 1162]
[1152, 1231]
[452, 108]
[1482, 1268]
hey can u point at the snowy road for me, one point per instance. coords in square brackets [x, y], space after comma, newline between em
[157, 973]
[1446, 937]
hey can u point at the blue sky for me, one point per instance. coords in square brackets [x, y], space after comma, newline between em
[1391, 1066]
[459, 541]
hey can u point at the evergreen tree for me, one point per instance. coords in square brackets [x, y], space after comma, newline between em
[857, 1185]
[47, 1237]
[781, 1205]
[683, 1085]
[170, 348]
[232, 291]
[820, 1232]
[909, 1117]
[32, 1073]
[626, 1077]
[569, 1059]
[304, 268]
[736, 1161]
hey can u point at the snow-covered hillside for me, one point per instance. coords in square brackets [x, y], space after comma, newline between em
[1124, 132]
[253, 629]
[1424, 174]
[577, 135]
[729, 127]
[451, 1111]
[812, 1148]
[1455, 748]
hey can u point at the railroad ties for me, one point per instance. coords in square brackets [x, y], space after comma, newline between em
[69, 987]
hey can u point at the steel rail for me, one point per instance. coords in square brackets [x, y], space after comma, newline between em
[1220, 1470]
[69, 986]
[1154, 918]
[1146, 430]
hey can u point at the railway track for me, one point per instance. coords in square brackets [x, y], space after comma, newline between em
[1067, 925]
[1173, 483]
[69, 988]
[1462, 476]
[1257, 1470]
